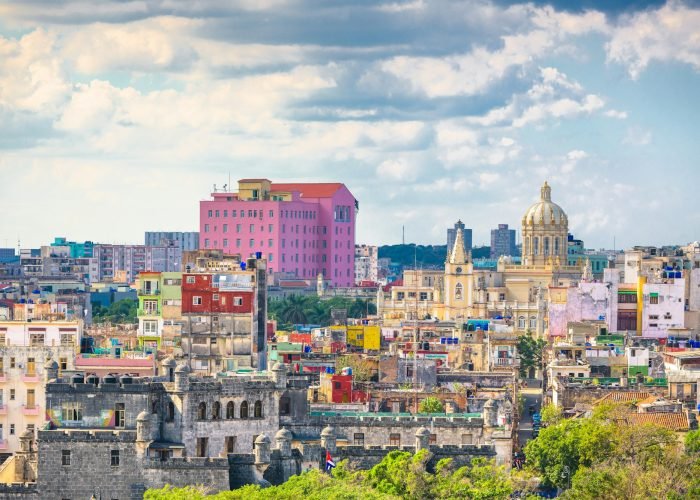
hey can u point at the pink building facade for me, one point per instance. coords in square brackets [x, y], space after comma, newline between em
[300, 229]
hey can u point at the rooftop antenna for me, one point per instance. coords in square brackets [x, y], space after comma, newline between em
[403, 235]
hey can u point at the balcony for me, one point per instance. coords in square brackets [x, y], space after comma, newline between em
[148, 292]
[30, 377]
[3, 409]
[148, 312]
[3, 444]
[30, 410]
[2, 377]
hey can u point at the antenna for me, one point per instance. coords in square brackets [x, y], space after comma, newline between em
[403, 235]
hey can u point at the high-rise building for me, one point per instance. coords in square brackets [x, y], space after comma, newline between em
[503, 242]
[302, 229]
[366, 263]
[466, 235]
[186, 241]
[108, 260]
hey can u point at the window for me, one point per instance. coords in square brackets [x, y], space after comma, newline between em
[209, 213]
[653, 299]
[36, 339]
[63, 363]
[458, 291]
[358, 439]
[114, 458]
[546, 245]
[244, 409]
[67, 339]
[533, 322]
[626, 298]
[225, 242]
[521, 322]
[432, 440]
[230, 444]
[556, 245]
[31, 398]
[501, 296]
[230, 413]
[150, 327]
[65, 457]
[202, 411]
[258, 410]
[12, 394]
[170, 415]
[119, 415]
[12, 362]
[216, 411]
[536, 245]
[206, 228]
[285, 406]
[196, 300]
[215, 297]
[31, 367]
[206, 242]
[226, 212]
[217, 213]
[202, 445]
[423, 295]
[252, 228]
[251, 243]
[190, 280]
[12, 429]
[394, 439]
[225, 229]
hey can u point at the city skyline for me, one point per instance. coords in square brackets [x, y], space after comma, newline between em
[119, 119]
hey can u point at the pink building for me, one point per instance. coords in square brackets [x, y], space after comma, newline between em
[301, 229]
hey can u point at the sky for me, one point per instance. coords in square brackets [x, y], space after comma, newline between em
[118, 116]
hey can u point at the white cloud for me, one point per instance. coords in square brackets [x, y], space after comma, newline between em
[669, 33]
[614, 113]
[637, 136]
[398, 169]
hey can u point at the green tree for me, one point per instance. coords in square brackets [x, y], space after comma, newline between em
[692, 442]
[362, 369]
[551, 414]
[531, 351]
[121, 312]
[294, 310]
[431, 405]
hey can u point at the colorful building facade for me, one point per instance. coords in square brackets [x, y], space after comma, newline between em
[300, 229]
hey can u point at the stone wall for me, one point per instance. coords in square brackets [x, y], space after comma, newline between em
[19, 491]
[213, 473]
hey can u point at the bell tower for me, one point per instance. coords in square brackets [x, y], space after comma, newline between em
[459, 280]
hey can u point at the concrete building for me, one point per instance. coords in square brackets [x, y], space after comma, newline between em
[25, 347]
[466, 236]
[503, 242]
[185, 241]
[73, 249]
[300, 229]
[366, 263]
[224, 317]
[109, 260]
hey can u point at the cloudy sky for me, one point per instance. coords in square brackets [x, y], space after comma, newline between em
[117, 116]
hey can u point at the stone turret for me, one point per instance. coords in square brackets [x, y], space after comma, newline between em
[143, 427]
[25, 459]
[279, 374]
[168, 368]
[422, 439]
[489, 414]
[50, 370]
[328, 439]
[283, 439]
[262, 449]
[182, 377]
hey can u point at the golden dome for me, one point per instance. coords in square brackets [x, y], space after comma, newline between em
[545, 212]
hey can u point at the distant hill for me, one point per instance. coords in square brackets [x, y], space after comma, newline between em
[427, 256]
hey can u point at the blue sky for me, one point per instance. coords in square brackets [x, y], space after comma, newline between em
[117, 117]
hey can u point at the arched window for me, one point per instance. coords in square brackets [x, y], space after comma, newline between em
[546, 245]
[229, 410]
[216, 411]
[244, 409]
[171, 412]
[527, 246]
[536, 245]
[257, 410]
[202, 411]
[521, 322]
[556, 245]
[458, 291]
[533, 322]
[154, 407]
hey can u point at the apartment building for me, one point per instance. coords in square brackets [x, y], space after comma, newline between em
[25, 348]
[301, 229]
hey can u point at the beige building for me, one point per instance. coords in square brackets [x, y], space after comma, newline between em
[519, 293]
[25, 348]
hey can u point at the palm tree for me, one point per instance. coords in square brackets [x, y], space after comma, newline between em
[319, 314]
[294, 310]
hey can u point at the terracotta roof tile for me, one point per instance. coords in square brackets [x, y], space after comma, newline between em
[672, 421]
[623, 397]
[310, 190]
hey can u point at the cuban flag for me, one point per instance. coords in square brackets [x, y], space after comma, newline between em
[329, 461]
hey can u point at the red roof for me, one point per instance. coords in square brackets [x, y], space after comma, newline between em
[253, 180]
[310, 190]
[107, 362]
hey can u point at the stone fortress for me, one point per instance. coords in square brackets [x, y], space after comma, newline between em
[115, 437]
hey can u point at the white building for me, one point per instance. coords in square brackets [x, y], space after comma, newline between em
[366, 263]
[663, 307]
[25, 348]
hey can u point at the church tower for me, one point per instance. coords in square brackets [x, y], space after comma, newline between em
[545, 232]
[459, 281]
